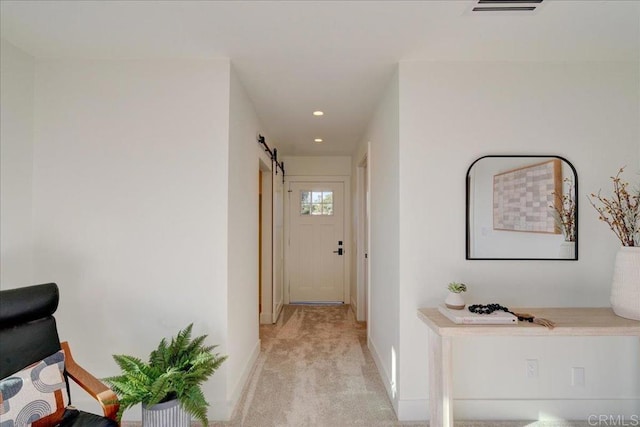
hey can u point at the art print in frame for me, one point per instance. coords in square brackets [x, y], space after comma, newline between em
[522, 198]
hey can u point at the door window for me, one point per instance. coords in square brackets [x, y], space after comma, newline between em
[316, 202]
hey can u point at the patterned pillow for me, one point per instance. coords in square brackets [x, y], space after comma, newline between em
[37, 395]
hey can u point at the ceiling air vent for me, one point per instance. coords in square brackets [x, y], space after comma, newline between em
[507, 5]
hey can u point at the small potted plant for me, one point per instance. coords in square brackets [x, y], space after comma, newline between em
[454, 300]
[168, 385]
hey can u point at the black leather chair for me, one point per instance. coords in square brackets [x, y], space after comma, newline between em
[28, 335]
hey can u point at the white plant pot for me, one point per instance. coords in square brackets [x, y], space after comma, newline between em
[166, 414]
[625, 289]
[454, 301]
[567, 250]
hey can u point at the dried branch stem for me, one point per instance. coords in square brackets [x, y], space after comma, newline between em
[621, 212]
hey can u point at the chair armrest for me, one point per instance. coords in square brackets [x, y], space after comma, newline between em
[99, 391]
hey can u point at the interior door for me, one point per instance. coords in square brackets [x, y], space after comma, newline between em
[278, 247]
[316, 240]
[365, 301]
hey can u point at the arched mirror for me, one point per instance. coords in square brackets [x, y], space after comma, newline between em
[522, 207]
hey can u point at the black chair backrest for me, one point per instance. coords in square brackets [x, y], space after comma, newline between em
[28, 330]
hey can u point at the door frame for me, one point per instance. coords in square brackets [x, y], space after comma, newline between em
[346, 184]
[363, 237]
[266, 230]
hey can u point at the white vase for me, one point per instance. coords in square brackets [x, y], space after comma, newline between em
[166, 414]
[625, 289]
[454, 301]
[567, 250]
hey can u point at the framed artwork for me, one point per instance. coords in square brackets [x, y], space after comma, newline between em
[523, 197]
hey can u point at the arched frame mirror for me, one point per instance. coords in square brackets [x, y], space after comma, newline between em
[522, 208]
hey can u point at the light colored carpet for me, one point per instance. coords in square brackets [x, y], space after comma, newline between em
[315, 370]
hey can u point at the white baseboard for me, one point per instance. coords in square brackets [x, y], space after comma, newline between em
[384, 375]
[240, 385]
[538, 410]
[413, 410]
[266, 318]
[219, 410]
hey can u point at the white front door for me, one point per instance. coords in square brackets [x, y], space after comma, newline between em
[317, 261]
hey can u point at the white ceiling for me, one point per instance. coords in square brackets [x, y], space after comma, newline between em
[298, 56]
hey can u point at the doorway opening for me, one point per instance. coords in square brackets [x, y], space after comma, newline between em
[317, 244]
[318, 247]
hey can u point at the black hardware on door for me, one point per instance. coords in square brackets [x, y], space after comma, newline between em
[339, 251]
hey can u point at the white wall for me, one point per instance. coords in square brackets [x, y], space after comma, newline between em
[131, 206]
[17, 70]
[317, 165]
[242, 298]
[453, 113]
[383, 136]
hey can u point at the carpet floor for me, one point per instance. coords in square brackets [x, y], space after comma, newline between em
[315, 370]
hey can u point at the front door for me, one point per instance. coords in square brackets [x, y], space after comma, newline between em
[317, 260]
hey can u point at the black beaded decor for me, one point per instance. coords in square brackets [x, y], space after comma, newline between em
[490, 308]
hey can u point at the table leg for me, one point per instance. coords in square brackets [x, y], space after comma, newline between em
[440, 381]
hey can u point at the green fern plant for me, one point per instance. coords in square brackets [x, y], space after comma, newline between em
[175, 371]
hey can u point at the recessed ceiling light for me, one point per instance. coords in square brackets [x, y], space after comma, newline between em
[318, 140]
[318, 113]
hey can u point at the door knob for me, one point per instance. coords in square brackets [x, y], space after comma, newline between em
[339, 251]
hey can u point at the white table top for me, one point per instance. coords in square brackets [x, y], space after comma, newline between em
[575, 321]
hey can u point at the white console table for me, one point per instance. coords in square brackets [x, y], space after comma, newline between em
[569, 322]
